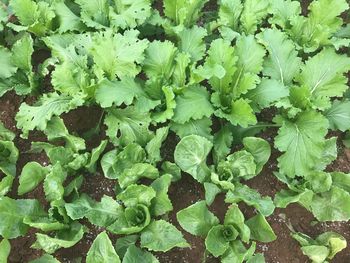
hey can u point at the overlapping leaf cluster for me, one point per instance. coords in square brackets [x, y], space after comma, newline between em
[175, 71]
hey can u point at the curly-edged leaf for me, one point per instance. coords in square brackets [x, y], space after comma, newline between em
[53, 183]
[62, 239]
[303, 143]
[229, 13]
[44, 223]
[242, 164]
[102, 250]
[117, 92]
[322, 74]
[12, 213]
[125, 126]
[133, 220]
[32, 174]
[30, 117]
[191, 41]
[136, 172]
[94, 13]
[136, 255]
[130, 13]
[170, 105]
[191, 156]
[251, 197]
[260, 229]
[215, 241]
[102, 213]
[260, 149]
[153, 146]
[5, 248]
[333, 205]
[197, 219]
[162, 236]
[339, 115]
[193, 103]
[161, 204]
[95, 155]
[159, 59]
[124, 53]
[283, 62]
[240, 113]
[137, 194]
[253, 13]
[283, 11]
[68, 20]
[184, 12]
[200, 127]
[22, 52]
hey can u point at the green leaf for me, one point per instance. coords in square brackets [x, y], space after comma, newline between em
[136, 172]
[334, 241]
[191, 155]
[161, 204]
[222, 143]
[215, 241]
[137, 194]
[211, 191]
[135, 255]
[117, 92]
[260, 149]
[95, 155]
[303, 143]
[283, 63]
[332, 205]
[123, 243]
[94, 14]
[30, 117]
[197, 219]
[283, 11]
[200, 127]
[170, 103]
[6, 65]
[102, 250]
[5, 249]
[32, 175]
[62, 239]
[260, 229]
[192, 96]
[22, 52]
[153, 147]
[339, 115]
[102, 213]
[12, 213]
[229, 13]
[253, 13]
[8, 158]
[125, 126]
[235, 217]
[53, 183]
[191, 41]
[44, 223]
[162, 236]
[5, 134]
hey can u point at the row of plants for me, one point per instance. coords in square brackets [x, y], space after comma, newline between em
[202, 72]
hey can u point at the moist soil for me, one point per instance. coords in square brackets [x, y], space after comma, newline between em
[182, 193]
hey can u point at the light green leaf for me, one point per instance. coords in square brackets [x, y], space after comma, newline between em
[6, 65]
[46, 258]
[215, 241]
[200, 127]
[136, 172]
[153, 147]
[136, 255]
[123, 243]
[162, 236]
[260, 229]
[161, 204]
[339, 115]
[191, 155]
[211, 191]
[260, 149]
[253, 13]
[32, 174]
[137, 194]
[102, 250]
[22, 52]
[191, 42]
[5, 249]
[197, 219]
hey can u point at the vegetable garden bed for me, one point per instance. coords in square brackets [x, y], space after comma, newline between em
[174, 131]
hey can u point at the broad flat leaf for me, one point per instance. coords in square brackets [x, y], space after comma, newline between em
[116, 54]
[267, 92]
[162, 236]
[161, 204]
[302, 141]
[5, 134]
[191, 156]
[123, 243]
[253, 13]
[12, 213]
[95, 156]
[136, 172]
[32, 174]
[8, 158]
[125, 126]
[335, 241]
[130, 13]
[215, 241]
[235, 217]
[153, 147]
[30, 117]
[193, 103]
[211, 191]
[137, 194]
[117, 92]
[62, 239]
[222, 143]
[136, 255]
[53, 183]
[200, 127]
[283, 62]
[6, 65]
[101, 213]
[322, 74]
[339, 115]
[170, 103]
[191, 42]
[68, 21]
[102, 250]
[260, 229]
[22, 52]
[197, 219]
[332, 205]
[46, 258]
[260, 149]
[5, 248]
